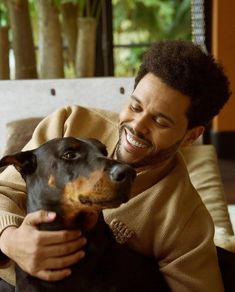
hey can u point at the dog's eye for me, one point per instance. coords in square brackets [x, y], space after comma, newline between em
[70, 155]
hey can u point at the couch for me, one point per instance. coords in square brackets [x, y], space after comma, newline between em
[24, 103]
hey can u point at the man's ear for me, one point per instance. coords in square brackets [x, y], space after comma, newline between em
[25, 162]
[192, 135]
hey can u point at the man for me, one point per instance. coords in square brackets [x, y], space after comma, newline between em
[178, 90]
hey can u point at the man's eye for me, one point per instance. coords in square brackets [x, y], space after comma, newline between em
[135, 108]
[70, 155]
[162, 122]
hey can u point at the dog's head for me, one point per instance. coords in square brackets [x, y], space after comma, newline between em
[72, 177]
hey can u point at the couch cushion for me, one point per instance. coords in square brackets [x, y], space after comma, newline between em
[19, 132]
[202, 163]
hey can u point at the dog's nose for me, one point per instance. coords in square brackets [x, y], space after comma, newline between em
[120, 173]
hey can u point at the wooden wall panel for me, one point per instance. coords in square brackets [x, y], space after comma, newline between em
[223, 48]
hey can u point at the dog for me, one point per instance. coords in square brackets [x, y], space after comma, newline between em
[74, 178]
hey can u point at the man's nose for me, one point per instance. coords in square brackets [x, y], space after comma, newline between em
[141, 124]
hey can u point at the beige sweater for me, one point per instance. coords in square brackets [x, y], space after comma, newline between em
[167, 220]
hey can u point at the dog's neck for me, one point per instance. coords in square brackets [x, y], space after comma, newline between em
[98, 238]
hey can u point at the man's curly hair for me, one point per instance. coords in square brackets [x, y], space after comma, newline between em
[185, 67]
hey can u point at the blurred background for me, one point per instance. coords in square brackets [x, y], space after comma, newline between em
[84, 38]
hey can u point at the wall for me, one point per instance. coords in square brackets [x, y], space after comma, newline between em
[37, 98]
[223, 48]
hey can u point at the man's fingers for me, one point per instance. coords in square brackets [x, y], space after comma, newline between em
[49, 237]
[57, 237]
[65, 261]
[53, 275]
[39, 217]
[55, 267]
[65, 249]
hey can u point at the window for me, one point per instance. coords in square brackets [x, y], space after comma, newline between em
[138, 23]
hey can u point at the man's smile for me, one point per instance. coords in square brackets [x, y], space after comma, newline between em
[132, 140]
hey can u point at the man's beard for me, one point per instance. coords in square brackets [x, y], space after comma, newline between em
[151, 158]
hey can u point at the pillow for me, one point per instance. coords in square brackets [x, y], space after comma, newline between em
[19, 132]
[202, 164]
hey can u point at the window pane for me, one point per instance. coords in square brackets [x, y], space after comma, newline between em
[138, 23]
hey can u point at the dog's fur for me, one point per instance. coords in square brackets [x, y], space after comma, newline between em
[75, 179]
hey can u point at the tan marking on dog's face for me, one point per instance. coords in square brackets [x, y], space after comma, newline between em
[89, 194]
[51, 181]
[97, 188]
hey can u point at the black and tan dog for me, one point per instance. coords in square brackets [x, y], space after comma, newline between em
[75, 179]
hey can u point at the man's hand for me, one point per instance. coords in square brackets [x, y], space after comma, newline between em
[43, 254]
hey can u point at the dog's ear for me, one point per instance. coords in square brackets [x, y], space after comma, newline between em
[99, 145]
[25, 162]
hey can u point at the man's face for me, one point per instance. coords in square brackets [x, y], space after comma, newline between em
[153, 124]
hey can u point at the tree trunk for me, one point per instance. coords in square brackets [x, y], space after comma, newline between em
[22, 39]
[70, 13]
[86, 47]
[4, 53]
[50, 41]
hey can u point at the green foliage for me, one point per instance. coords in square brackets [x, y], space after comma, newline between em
[180, 28]
[69, 1]
[126, 61]
[157, 18]
[4, 17]
[145, 21]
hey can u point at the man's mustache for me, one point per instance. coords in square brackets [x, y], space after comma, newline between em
[134, 133]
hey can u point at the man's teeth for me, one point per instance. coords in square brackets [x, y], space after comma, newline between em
[134, 142]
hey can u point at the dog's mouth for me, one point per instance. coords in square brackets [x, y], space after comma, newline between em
[96, 191]
[100, 202]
